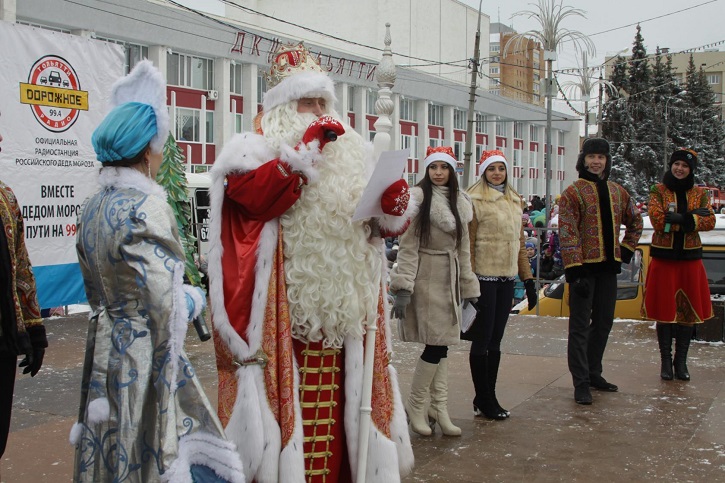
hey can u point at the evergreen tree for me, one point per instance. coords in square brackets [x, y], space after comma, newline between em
[171, 176]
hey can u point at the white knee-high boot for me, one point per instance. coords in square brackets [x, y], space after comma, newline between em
[438, 411]
[419, 391]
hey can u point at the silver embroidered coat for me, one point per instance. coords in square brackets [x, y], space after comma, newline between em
[143, 416]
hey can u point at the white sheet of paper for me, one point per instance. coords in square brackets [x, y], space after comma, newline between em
[388, 170]
[468, 315]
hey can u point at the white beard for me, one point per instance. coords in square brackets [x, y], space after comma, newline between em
[332, 271]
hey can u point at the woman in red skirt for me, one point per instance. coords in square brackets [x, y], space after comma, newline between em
[677, 294]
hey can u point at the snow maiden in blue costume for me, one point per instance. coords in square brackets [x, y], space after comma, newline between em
[143, 415]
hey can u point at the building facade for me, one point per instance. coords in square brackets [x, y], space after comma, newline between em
[215, 62]
[517, 74]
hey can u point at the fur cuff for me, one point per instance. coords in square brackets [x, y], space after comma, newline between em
[75, 433]
[395, 225]
[98, 411]
[303, 158]
[199, 302]
[205, 449]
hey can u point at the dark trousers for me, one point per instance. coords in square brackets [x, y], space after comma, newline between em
[494, 306]
[590, 322]
[7, 383]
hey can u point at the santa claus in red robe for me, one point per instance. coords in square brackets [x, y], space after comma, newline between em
[294, 281]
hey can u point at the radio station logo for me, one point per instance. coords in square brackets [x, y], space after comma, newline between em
[54, 93]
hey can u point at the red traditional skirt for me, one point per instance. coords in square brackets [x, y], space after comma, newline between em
[322, 400]
[677, 291]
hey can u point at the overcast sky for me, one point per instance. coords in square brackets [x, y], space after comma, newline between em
[696, 23]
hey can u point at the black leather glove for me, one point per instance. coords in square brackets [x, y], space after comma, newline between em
[32, 361]
[531, 294]
[34, 355]
[701, 212]
[581, 287]
[402, 299]
[676, 218]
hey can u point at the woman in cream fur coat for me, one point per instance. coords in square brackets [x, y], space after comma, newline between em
[431, 281]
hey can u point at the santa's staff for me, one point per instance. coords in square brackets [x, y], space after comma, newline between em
[383, 126]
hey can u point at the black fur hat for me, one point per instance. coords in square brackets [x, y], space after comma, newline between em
[595, 146]
[687, 155]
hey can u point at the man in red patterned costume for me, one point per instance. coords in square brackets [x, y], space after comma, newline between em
[294, 281]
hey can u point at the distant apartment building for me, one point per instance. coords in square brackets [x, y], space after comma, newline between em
[518, 75]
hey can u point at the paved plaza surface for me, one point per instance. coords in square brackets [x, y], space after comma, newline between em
[651, 430]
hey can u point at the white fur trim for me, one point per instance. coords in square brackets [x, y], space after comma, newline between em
[145, 84]
[440, 157]
[199, 302]
[201, 448]
[298, 86]
[117, 177]
[304, 158]
[76, 431]
[98, 411]
[178, 324]
[496, 158]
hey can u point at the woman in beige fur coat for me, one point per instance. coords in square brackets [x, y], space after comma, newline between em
[433, 277]
[498, 255]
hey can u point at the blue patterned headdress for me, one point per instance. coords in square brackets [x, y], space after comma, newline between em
[139, 116]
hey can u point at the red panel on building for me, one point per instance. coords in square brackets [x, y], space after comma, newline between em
[240, 104]
[518, 144]
[371, 121]
[408, 128]
[560, 150]
[500, 142]
[518, 172]
[533, 173]
[436, 132]
[351, 119]
[534, 147]
[459, 136]
[481, 139]
[190, 98]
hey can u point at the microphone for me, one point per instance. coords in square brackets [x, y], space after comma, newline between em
[201, 329]
[330, 135]
[670, 209]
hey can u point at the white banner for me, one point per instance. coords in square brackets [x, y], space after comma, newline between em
[54, 91]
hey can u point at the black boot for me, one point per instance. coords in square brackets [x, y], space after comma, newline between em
[494, 360]
[664, 339]
[482, 403]
[683, 335]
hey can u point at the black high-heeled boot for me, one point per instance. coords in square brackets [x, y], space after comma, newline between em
[683, 335]
[664, 339]
[494, 360]
[482, 404]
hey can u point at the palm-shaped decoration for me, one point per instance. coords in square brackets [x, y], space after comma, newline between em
[550, 14]
[584, 84]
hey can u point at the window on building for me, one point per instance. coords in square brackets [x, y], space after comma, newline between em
[187, 125]
[560, 138]
[350, 98]
[371, 100]
[435, 114]
[458, 149]
[235, 78]
[495, 92]
[494, 70]
[133, 53]
[713, 78]
[411, 143]
[238, 123]
[480, 148]
[261, 87]
[495, 47]
[435, 142]
[481, 123]
[407, 109]
[500, 128]
[190, 71]
[519, 130]
[460, 119]
[533, 133]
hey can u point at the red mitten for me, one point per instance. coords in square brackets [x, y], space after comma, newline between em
[324, 129]
[395, 198]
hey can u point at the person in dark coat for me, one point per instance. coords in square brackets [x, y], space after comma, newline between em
[21, 329]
